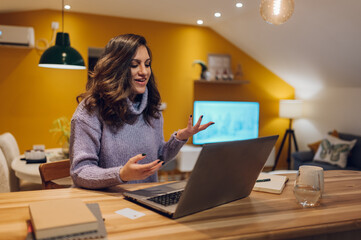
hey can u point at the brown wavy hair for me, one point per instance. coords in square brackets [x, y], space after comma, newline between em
[110, 83]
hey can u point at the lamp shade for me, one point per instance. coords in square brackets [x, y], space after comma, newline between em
[62, 55]
[290, 108]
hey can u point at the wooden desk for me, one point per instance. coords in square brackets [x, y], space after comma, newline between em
[260, 216]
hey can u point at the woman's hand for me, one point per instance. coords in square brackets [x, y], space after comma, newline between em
[134, 171]
[190, 130]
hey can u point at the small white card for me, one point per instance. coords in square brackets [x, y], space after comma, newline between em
[130, 213]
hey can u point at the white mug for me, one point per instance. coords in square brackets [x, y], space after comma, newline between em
[307, 169]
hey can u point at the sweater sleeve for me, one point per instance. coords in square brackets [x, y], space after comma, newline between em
[169, 149]
[84, 150]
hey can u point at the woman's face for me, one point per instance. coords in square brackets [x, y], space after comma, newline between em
[140, 70]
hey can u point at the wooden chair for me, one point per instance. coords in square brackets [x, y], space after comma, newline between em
[53, 171]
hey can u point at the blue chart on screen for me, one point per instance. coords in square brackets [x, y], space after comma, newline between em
[233, 121]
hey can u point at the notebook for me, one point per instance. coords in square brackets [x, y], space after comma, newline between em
[224, 172]
[276, 183]
[100, 234]
[53, 218]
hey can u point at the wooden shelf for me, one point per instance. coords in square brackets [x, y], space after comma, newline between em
[222, 81]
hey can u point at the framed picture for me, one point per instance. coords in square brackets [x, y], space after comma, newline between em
[219, 66]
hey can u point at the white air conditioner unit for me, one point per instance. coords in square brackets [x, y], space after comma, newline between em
[16, 36]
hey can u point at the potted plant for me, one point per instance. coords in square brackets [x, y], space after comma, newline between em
[61, 128]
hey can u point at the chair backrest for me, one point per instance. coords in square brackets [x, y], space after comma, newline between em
[4, 174]
[53, 171]
[10, 149]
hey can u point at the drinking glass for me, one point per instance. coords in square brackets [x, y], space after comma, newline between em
[307, 187]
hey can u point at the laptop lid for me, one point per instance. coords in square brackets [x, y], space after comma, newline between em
[224, 172]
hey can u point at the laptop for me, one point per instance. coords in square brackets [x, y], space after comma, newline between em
[224, 172]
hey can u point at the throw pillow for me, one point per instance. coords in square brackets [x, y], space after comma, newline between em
[334, 151]
[314, 146]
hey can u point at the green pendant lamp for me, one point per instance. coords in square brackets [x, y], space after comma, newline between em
[62, 55]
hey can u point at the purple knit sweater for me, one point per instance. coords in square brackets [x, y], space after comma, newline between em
[97, 152]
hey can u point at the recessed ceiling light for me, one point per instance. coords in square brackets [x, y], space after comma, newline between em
[67, 6]
[200, 22]
[239, 5]
[217, 14]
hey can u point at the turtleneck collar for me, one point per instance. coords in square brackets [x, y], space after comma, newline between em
[138, 107]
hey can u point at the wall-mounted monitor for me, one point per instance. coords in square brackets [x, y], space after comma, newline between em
[233, 121]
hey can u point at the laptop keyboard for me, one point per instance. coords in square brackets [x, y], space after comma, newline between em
[167, 199]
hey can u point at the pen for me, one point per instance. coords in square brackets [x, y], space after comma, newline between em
[264, 180]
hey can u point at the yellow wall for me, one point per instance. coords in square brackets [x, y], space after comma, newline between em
[32, 97]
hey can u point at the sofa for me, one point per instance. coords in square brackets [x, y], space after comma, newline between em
[353, 160]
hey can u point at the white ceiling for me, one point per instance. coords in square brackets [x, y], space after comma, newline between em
[318, 47]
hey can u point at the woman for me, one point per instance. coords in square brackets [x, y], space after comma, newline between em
[117, 128]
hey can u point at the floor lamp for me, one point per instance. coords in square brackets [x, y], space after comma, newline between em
[290, 109]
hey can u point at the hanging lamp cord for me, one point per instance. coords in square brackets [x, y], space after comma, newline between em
[45, 42]
[62, 15]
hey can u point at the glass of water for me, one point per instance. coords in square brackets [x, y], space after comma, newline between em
[307, 187]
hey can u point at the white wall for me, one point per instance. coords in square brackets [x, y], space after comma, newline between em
[328, 109]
